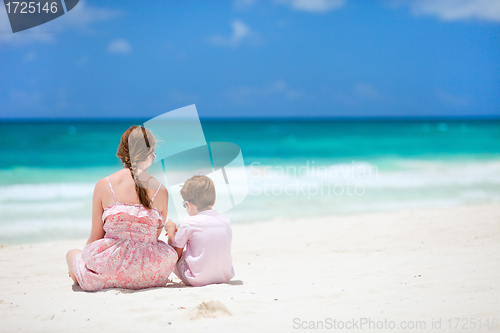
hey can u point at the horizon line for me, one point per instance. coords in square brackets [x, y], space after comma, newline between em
[261, 119]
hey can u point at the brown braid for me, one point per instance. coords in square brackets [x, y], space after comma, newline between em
[134, 141]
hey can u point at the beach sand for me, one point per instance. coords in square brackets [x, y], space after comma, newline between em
[426, 265]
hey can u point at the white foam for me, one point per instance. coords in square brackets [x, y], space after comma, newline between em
[419, 174]
[45, 192]
[40, 210]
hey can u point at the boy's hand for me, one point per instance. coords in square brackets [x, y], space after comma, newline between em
[170, 225]
[171, 228]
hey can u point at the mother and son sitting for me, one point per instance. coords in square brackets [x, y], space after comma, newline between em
[123, 250]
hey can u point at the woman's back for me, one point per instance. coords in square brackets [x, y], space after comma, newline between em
[123, 186]
[130, 255]
[123, 249]
[132, 221]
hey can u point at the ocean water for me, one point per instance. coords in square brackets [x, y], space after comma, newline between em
[294, 169]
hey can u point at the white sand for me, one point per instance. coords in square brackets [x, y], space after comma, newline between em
[413, 265]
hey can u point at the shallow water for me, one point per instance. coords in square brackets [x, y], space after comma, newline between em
[293, 168]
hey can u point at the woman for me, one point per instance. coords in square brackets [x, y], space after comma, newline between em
[128, 210]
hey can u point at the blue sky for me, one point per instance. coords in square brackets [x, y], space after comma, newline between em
[256, 58]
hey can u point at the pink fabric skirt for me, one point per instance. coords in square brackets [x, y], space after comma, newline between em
[124, 263]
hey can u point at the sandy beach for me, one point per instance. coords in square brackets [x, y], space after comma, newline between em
[403, 268]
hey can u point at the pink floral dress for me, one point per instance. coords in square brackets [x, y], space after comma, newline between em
[130, 255]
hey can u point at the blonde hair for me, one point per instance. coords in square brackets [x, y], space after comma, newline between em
[200, 190]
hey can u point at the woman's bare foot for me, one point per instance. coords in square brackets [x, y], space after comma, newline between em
[69, 260]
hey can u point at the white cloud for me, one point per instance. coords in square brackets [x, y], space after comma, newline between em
[452, 10]
[173, 99]
[29, 57]
[176, 96]
[25, 100]
[313, 6]
[82, 60]
[244, 95]
[359, 95]
[83, 15]
[366, 91]
[62, 99]
[240, 32]
[80, 18]
[243, 4]
[120, 46]
[452, 100]
[21, 38]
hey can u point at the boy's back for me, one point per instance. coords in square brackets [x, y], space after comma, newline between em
[207, 258]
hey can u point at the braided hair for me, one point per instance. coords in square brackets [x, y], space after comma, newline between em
[136, 145]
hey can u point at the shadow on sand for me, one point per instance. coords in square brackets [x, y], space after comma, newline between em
[170, 284]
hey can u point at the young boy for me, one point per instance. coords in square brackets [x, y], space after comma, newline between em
[206, 235]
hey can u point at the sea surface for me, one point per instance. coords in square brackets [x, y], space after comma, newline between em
[294, 169]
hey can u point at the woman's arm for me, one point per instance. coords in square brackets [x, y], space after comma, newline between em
[97, 231]
[163, 196]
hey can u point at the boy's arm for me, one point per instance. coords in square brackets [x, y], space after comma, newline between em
[170, 228]
[181, 239]
[179, 251]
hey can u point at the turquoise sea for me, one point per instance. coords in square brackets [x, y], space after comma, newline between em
[295, 169]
